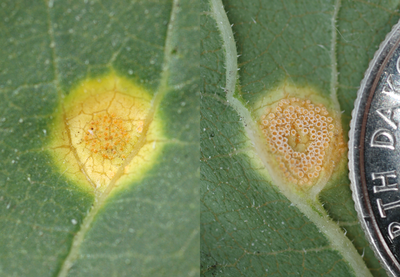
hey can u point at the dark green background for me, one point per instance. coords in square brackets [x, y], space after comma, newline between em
[151, 227]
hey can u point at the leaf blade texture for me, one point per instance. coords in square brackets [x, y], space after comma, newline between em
[249, 224]
[47, 48]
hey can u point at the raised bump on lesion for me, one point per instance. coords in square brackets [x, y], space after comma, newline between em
[304, 138]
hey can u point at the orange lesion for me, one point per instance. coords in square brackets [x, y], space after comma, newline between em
[104, 135]
[305, 139]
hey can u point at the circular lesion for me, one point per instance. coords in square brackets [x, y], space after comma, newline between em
[301, 136]
[105, 131]
[102, 132]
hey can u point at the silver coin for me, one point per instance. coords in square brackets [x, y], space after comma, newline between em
[374, 152]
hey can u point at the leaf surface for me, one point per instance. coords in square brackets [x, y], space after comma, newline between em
[249, 225]
[148, 228]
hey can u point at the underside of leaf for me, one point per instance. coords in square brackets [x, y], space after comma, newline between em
[303, 136]
[251, 83]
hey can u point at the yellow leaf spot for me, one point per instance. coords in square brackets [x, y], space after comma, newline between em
[99, 112]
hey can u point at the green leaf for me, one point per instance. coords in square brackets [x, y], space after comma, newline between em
[50, 226]
[251, 225]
